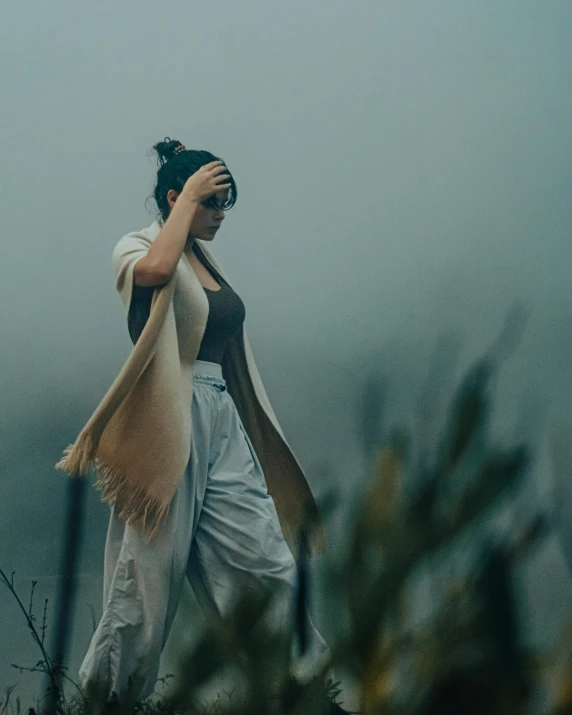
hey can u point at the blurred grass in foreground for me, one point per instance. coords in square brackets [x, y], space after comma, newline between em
[465, 655]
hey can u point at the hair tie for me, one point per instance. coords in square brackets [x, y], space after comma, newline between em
[179, 149]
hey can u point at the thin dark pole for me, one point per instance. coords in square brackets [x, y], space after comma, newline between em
[302, 593]
[67, 586]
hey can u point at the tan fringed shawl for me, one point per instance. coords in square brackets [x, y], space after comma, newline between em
[139, 437]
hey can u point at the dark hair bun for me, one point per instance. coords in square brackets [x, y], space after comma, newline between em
[166, 149]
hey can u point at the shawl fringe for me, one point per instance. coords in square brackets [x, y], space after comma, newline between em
[139, 509]
[79, 456]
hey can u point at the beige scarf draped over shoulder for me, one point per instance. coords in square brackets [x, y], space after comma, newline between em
[138, 439]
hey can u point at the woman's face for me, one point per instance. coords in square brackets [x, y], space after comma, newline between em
[206, 221]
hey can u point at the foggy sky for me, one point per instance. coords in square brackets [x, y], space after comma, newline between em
[403, 168]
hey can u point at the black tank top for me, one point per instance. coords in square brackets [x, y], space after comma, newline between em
[226, 314]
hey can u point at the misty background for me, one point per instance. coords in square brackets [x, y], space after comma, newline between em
[403, 171]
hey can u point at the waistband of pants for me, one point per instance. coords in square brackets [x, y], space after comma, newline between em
[209, 372]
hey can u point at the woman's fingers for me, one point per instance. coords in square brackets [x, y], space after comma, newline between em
[218, 169]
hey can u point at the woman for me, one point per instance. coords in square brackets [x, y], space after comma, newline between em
[221, 526]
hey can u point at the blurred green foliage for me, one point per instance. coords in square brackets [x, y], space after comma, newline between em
[464, 655]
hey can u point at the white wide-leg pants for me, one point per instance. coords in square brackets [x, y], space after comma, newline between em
[222, 533]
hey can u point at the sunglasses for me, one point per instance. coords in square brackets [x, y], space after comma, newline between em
[212, 203]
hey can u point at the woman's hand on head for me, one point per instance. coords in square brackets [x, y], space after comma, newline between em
[206, 181]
